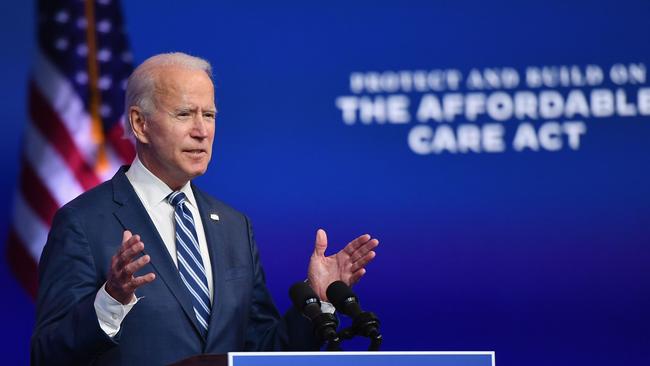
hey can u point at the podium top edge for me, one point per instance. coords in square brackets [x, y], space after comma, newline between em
[352, 353]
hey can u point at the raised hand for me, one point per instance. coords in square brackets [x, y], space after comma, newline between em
[121, 284]
[348, 265]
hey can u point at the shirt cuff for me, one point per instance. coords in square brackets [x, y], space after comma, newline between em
[327, 307]
[110, 312]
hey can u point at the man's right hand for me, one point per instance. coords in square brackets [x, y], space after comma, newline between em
[121, 284]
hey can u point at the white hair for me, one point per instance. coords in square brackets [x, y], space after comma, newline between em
[141, 84]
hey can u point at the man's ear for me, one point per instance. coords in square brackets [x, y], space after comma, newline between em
[137, 122]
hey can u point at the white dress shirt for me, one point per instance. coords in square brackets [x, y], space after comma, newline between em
[153, 194]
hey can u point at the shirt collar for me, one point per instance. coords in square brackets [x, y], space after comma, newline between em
[151, 189]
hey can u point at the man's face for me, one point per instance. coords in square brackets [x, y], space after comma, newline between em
[178, 134]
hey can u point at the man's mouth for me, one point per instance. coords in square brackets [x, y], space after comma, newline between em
[196, 152]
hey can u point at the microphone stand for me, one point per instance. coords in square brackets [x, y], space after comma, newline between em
[327, 324]
[366, 324]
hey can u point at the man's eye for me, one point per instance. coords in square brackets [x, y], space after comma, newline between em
[209, 115]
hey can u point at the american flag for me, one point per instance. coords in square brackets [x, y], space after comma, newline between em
[74, 133]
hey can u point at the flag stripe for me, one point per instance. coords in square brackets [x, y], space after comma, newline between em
[122, 146]
[36, 194]
[22, 264]
[114, 162]
[52, 128]
[29, 227]
[50, 167]
[61, 96]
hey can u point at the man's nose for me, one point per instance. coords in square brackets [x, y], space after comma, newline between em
[200, 128]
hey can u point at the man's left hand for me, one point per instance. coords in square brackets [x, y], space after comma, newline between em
[348, 265]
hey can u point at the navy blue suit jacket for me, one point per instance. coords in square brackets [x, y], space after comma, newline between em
[161, 328]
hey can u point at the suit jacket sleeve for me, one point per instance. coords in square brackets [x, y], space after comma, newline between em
[67, 330]
[266, 330]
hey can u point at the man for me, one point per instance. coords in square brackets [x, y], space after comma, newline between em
[147, 268]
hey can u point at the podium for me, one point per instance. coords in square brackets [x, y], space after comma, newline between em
[410, 358]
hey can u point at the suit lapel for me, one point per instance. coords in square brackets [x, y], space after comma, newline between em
[133, 217]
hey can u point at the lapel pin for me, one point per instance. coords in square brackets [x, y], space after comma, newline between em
[214, 217]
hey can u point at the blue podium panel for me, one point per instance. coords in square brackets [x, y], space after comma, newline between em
[361, 358]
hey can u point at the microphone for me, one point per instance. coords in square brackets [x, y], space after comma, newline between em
[363, 323]
[305, 299]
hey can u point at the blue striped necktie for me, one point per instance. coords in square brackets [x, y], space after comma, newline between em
[190, 262]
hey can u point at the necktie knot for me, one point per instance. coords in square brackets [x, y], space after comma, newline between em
[176, 198]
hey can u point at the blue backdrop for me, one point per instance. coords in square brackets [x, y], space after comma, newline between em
[538, 254]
